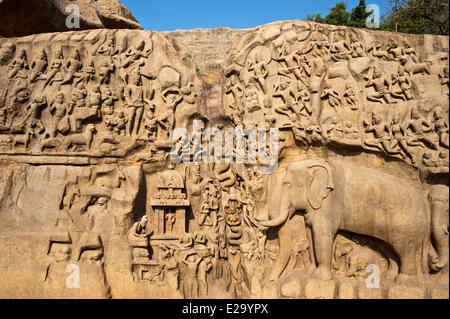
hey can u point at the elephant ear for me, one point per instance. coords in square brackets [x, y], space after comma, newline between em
[320, 185]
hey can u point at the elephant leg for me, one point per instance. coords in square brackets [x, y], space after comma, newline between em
[323, 247]
[284, 240]
[408, 267]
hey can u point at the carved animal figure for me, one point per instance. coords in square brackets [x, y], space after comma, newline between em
[5, 140]
[23, 139]
[351, 260]
[413, 68]
[81, 139]
[50, 143]
[332, 198]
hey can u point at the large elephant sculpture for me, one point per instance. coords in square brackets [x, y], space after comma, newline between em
[333, 198]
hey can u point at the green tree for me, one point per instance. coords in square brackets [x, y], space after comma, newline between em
[417, 16]
[338, 15]
[315, 18]
[359, 15]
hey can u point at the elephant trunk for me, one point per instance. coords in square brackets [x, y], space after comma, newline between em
[438, 198]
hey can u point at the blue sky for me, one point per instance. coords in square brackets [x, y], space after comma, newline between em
[168, 15]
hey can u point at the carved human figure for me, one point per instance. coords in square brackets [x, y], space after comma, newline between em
[104, 72]
[290, 58]
[151, 125]
[251, 100]
[135, 98]
[335, 131]
[258, 70]
[108, 47]
[108, 100]
[34, 109]
[38, 67]
[357, 47]
[350, 96]
[73, 67]
[55, 69]
[170, 219]
[399, 138]
[172, 97]
[233, 87]
[119, 123]
[394, 49]
[79, 94]
[210, 205]
[404, 82]
[441, 126]
[94, 100]
[137, 235]
[377, 51]
[331, 95]
[303, 100]
[382, 86]
[19, 66]
[132, 58]
[282, 89]
[381, 133]
[419, 127]
[87, 74]
[410, 51]
[60, 108]
[318, 44]
[339, 47]
[190, 280]
[350, 132]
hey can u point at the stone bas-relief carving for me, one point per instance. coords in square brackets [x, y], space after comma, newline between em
[361, 188]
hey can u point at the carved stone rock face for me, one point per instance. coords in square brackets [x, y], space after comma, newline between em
[50, 16]
[115, 161]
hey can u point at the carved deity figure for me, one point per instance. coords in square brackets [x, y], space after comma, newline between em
[410, 51]
[135, 98]
[19, 66]
[350, 96]
[419, 127]
[395, 50]
[381, 133]
[258, 70]
[357, 46]
[404, 82]
[289, 57]
[382, 86]
[284, 91]
[377, 51]
[210, 206]
[441, 126]
[108, 100]
[60, 108]
[339, 48]
[104, 72]
[38, 67]
[399, 138]
[170, 219]
[79, 94]
[55, 69]
[73, 67]
[331, 95]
